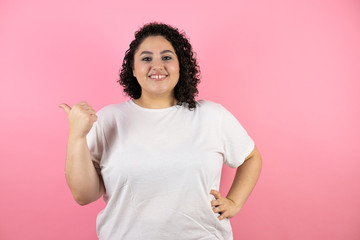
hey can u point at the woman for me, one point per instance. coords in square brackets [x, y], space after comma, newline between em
[157, 158]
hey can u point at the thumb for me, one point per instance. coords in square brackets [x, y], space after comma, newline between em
[66, 108]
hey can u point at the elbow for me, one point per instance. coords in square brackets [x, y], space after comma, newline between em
[81, 201]
[84, 194]
[84, 199]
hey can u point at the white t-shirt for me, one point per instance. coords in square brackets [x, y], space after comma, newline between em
[158, 167]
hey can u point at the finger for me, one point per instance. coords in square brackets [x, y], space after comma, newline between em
[222, 216]
[219, 209]
[86, 108]
[215, 203]
[66, 108]
[215, 193]
[93, 117]
[216, 209]
[91, 111]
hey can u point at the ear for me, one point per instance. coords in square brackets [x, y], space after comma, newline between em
[134, 73]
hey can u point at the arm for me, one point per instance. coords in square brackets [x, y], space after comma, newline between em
[245, 179]
[84, 182]
[244, 182]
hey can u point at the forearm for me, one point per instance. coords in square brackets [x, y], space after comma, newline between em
[245, 179]
[81, 176]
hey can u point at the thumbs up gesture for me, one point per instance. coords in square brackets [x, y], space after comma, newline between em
[81, 118]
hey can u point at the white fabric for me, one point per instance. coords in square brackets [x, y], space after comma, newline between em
[158, 167]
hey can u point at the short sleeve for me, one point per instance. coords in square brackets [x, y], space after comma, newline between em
[95, 143]
[237, 144]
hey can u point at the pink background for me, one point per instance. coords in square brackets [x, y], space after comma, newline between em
[288, 70]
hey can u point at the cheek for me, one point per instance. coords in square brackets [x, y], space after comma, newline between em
[174, 68]
[140, 69]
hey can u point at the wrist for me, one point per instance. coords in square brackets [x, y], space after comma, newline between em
[73, 137]
[237, 203]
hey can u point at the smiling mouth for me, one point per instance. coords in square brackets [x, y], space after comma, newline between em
[157, 76]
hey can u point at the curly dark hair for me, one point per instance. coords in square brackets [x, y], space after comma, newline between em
[186, 88]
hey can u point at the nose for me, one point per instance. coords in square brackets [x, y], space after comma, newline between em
[157, 64]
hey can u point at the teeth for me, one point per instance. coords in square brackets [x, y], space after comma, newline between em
[157, 76]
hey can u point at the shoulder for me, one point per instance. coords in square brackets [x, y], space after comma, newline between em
[111, 108]
[111, 111]
[208, 105]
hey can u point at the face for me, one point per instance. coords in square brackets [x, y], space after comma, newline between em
[156, 67]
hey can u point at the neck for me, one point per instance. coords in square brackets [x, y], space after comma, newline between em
[155, 102]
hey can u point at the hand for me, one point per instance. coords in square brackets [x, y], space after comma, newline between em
[81, 118]
[226, 207]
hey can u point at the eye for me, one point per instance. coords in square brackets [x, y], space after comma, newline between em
[167, 58]
[146, 59]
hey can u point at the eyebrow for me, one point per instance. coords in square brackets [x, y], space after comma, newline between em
[148, 52]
